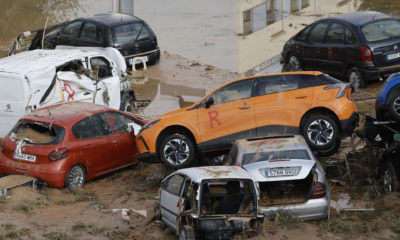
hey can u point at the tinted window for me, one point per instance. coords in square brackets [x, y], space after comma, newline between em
[173, 184]
[274, 84]
[326, 79]
[91, 32]
[72, 29]
[335, 34]
[37, 133]
[350, 37]
[144, 34]
[306, 81]
[317, 34]
[249, 158]
[302, 36]
[381, 30]
[127, 33]
[233, 155]
[115, 123]
[90, 127]
[102, 66]
[234, 91]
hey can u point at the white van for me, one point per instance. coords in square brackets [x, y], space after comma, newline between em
[34, 79]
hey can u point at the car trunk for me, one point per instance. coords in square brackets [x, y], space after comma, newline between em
[32, 142]
[138, 47]
[386, 53]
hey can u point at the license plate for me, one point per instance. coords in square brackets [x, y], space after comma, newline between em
[393, 56]
[26, 157]
[138, 60]
[281, 172]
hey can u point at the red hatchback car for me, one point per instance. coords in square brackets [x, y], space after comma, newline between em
[67, 144]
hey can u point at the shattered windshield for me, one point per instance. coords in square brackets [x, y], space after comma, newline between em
[127, 33]
[381, 30]
[249, 158]
[37, 133]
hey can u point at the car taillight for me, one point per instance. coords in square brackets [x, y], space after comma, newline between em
[366, 54]
[58, 154]
[319, 191]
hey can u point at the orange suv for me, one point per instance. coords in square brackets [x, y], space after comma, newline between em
[310, 103]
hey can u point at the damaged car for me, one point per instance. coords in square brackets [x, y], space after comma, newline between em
[69, 143]
[389, 166]
[291, 180]
[210, 203]
[39, 78]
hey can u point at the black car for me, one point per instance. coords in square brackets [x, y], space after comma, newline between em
[130, 35]
[390, 167]
[361, 46]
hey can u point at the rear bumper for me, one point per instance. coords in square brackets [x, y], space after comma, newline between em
[370, 72]
[313, 209]
[152, 56]
[348, 125]
[52, 173]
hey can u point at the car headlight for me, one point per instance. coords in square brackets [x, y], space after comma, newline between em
[148, 125]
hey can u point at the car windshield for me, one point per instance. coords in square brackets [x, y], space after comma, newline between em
[127, 33]
[249, 158]
[381, 30]
[37, 133]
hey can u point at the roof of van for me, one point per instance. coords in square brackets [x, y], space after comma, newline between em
[39, 60]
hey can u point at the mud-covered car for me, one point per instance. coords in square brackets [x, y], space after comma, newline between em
[39, 78]
[69, 143]
[290, 178]
[210, 203]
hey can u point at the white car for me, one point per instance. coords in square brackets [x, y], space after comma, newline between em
[290, 178]
[39, 78]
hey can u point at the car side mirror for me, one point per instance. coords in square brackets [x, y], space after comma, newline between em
[209, 102]
[396, 137]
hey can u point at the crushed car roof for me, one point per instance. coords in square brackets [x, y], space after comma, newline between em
[272, 143]
[198, 174]
[25, 62]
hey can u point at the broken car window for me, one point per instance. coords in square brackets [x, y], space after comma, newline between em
[88, 128]
[101, 66]
[173, 184]
[72, 29]
[37, 133]
[249, 158]
[127, 33]
[235, 91]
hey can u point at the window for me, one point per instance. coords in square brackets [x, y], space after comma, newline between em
[249, 158]
[302, 36]
[317, 34]
[350, 37]
[127, 33]
[72, 29]
[90, 127]
[37, 133]
[114, 123]
[101, 66]
[173, 184]
[235, 91]
[144, 34]
[381, 30]
[91, 32]
[275, 84]
[335, 34]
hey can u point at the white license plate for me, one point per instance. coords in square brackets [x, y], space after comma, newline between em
[393, 56]
[26, 157]
[138, 60]
[281, 172]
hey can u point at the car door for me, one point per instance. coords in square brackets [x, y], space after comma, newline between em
[229, 117]
[91, 35]
[70, 34]
[313, 49]
[122, 142]
[334, 50]
[170, 200]
[280, 103]
[92, 145]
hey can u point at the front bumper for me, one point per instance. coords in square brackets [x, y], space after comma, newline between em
[52, 173]
[313, 209]
[348, 125]
[370, 72]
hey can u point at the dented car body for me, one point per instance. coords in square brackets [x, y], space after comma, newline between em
[210, 202]
[69, 143]
[290, 178]
[40, 78]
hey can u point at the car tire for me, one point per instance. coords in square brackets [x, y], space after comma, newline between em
[355, 78]
[177, 151]
[320, 132]
[330, 151]
[127, 102]
[76, 177]
[187, 233]
[389, 178]
[394, 106]
[293, 63]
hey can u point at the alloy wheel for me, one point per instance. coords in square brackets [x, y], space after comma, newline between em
[387, 181]
[396, 106]
[294, 63]
[176, 151]
[355, 79]
[320, 132]
[76, 177]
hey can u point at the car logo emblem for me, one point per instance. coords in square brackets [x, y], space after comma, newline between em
[395, 47]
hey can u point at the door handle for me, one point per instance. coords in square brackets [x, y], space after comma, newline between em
[300, 97]
[88, 147]
[244, 105]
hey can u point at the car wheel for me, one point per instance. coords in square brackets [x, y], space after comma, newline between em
[394, 105]
[293, 63]
[389, 178]
[320, 132]
[355, 78]
[76, 177]
[187, 233]
[330, 151]
[177, 151]
[127, 103]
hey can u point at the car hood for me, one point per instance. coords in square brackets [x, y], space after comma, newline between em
[257, 170]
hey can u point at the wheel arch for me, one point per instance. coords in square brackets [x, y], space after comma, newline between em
[175, 129]
[87, 177]
[319, 110]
